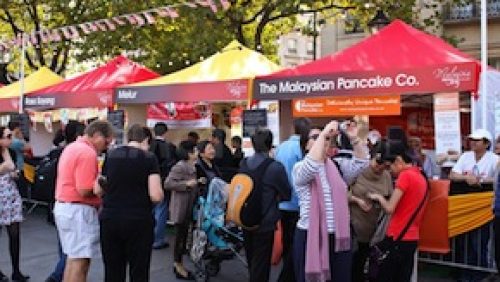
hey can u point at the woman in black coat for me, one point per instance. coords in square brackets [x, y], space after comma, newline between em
[206, 170]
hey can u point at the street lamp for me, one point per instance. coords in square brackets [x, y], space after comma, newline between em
[378, 22]
[315, 32]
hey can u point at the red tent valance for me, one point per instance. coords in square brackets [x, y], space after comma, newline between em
[399, 59]
[92, 89]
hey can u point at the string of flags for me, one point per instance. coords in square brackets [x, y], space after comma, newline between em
[72, 32]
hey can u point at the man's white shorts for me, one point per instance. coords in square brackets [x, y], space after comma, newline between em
[78, 228]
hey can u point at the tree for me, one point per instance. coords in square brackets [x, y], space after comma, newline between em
[172, 44]
[26, 16]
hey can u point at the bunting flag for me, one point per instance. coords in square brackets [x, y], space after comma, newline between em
[208, 3]
[119, 21]
[110, 24]
[225, 4]
[149, 18]
[101, 26]
[139, 19]
[85, 28]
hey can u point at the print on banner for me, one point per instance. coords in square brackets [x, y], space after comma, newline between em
[456, 77]
[177, 115]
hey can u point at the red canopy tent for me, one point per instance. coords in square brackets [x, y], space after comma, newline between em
[397, 60]
[92, 89]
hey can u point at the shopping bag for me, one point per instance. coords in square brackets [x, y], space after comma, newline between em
[278, 244]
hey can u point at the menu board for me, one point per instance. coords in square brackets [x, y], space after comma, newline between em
[253, 120]
[117, 119]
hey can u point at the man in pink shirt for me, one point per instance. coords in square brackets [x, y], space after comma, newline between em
[76, 205]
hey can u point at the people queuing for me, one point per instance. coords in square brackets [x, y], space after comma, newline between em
[365, 215]
[183, 184]
[71, 132]
[10, 203]
[289, 153]
[223, 157]
[327, 186]
[322, 240]
[76, 205]
[272, 179]
[425, 160]
[405, 206]
[165, 153]
[206, 170]
[129, 185]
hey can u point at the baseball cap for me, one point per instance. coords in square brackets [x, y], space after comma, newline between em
[479, 134]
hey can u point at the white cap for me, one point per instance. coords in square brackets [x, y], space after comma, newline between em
[479, 134]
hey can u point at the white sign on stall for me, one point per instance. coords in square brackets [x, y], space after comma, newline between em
[447, 123]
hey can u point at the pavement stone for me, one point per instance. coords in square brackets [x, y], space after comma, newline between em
[39, 256]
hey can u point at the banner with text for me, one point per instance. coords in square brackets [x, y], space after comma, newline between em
[89, 99]
[347, 106]
[213, 91]
[447, 123]
[180, 115]
[453, 77]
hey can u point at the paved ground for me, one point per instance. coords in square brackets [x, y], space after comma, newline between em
[39, 255]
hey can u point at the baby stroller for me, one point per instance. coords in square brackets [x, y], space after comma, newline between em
[213, 241]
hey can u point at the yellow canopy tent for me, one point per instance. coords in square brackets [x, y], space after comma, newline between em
[222, 77]
[9, 95]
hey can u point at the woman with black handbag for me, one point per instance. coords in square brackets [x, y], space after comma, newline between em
[397, 252]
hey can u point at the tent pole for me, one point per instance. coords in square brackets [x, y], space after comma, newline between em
[21, 73]
[484, 63]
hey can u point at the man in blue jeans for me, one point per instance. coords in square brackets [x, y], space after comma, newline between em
[165, 153]
[288, 154]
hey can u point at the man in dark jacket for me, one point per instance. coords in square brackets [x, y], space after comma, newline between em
[223, 157]
[165, 153]
[276, 187]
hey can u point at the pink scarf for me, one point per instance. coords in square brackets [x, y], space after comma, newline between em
[317, 266]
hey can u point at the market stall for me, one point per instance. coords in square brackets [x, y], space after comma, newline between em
[373, 77]
[214, 87]
[84, 97]
[9, 95]
[93, 89]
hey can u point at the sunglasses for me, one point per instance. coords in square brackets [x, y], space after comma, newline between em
[316, 136]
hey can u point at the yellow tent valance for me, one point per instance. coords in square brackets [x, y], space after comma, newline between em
[42, 78]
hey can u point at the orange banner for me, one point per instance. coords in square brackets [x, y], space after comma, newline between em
[347, 106]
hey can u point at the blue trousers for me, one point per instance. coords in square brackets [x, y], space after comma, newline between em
[160, 212]
[58, 272]
[340, 262]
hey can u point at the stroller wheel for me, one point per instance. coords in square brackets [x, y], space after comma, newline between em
[213, 268]
[201, 276]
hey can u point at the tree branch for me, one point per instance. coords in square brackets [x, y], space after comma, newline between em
[62, 66]
[55, 58]
[259, 13]
[297, 10]
[36, 21]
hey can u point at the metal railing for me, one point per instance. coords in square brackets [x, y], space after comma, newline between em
[474, 250]
[469, 11]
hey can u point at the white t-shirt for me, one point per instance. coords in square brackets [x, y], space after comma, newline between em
[486, 166]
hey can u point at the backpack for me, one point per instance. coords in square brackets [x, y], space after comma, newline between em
[46, 175]
[165, 153]
[244, 204]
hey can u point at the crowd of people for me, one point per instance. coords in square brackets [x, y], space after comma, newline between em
[328, 187]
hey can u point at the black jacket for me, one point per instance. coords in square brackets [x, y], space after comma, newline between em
[276, 189]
